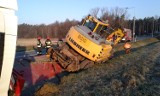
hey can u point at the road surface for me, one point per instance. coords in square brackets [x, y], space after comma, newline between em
[142, 37]
[27, 53]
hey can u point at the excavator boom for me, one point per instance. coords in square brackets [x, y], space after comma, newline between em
[116, 36]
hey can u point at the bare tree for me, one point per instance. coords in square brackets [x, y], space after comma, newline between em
[117, 12]
[94, 12]
[115, 16]
[104, 14]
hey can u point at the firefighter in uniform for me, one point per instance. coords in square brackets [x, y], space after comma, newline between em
[60, 41]
[39, 46]
[48, 44]
[127, 47]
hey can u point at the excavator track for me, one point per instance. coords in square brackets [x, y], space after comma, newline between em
[68, 58]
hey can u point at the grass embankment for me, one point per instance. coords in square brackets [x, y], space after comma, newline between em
[133, 74]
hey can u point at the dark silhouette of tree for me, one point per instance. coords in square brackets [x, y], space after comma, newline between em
[54, 30]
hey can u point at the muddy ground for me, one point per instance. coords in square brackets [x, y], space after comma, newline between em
[133, 74]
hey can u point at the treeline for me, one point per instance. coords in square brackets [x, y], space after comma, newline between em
[119, 17]
[116, 17]
[146, 26]
[54, 30]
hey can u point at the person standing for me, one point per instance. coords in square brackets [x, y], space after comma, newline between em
[127, 47]
[48, 44]
[39, 46]
[60, 41]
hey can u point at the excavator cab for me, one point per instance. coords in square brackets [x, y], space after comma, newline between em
[97, 26]
[101, 28]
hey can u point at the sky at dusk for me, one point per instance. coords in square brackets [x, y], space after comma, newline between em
[49, 11]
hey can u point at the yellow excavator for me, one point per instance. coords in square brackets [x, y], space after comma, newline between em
[86, 44]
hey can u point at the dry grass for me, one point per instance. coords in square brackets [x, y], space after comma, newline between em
[134, 74]
[47, 90]
[29, 44]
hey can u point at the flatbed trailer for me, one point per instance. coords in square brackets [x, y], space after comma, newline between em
[29, 71]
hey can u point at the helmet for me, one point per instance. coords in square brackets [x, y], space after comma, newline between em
[39, 37]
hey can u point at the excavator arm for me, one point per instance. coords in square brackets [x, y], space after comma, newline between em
[115, 36]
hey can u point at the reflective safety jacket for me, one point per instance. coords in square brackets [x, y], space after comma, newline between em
[127, 45]
[48, 43]
[39, 44]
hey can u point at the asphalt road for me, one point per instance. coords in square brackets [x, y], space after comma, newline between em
[28, 53]
[142, 37]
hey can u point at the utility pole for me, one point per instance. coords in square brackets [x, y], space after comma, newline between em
[133, 33]
[134, 29]
[134, 26]
[152, 27]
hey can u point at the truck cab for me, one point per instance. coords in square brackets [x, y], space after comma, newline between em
[8, 37]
